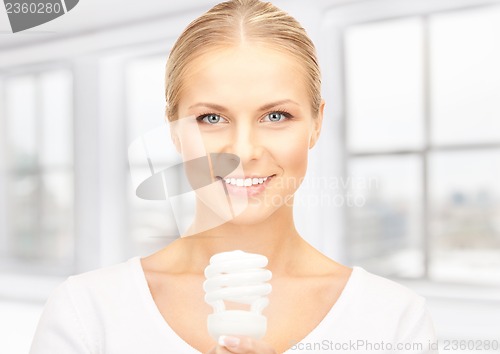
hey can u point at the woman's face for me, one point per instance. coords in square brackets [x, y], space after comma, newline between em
[251, 101]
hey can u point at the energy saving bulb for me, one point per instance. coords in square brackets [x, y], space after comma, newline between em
[237, 277]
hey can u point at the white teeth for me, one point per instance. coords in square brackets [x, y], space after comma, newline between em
[245, 182]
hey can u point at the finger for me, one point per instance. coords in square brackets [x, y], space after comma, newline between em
[245, 345]
[229, 341]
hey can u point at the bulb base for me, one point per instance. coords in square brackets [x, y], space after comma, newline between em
[236, 322]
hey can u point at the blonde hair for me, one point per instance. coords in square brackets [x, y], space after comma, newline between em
[231, 23]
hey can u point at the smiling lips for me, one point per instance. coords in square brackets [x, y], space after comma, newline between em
[249, 186]
[245, 182]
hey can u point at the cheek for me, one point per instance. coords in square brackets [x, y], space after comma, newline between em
[291, 151]
[194, 144]
[217, 141]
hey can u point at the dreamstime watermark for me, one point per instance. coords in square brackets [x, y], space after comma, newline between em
[24, 14]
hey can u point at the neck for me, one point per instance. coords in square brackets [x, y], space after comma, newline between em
[274, 237]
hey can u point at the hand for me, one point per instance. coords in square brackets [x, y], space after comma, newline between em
[241, 345]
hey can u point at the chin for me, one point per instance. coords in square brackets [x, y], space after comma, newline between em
[254, 214]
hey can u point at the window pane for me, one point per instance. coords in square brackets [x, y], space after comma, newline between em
[384, 85]
[56, 95]
[39, 181]
[152, 223]
[40, 217]
[385, 232]
[465, 197]
[145, 88]
[56, 228]
[145, 80]
[20, 102]
[465, 49]
[23, 215]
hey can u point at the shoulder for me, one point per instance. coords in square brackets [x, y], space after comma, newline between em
[382, 291]
[382, 307]
[76, 311]
[101, 288]
[106, 277]
[395, 306]
[383, 298]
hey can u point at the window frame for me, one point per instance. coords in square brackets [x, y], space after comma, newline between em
[85, 52]
[10, 262]
[336, 21]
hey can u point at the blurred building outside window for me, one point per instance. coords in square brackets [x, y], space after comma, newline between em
[423, 121]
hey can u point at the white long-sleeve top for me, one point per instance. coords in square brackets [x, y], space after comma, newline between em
[111, 311]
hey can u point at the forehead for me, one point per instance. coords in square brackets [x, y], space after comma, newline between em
[244, 75]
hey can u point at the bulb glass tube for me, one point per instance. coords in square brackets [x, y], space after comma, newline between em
[237, 277]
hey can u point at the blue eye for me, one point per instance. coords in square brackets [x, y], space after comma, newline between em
[211, 118]
[277, 117]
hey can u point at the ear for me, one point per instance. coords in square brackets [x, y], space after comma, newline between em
[317, 123]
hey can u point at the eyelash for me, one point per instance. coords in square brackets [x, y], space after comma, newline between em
[201, 116]
[285, 113]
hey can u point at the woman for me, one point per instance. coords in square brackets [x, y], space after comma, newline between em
[246, 79]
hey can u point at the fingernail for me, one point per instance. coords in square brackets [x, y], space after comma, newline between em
[228, 341]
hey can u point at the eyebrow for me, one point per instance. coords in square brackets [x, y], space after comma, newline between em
[224, 109]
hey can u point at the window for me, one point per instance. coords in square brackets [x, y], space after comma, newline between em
[36, 170]
[152, 223]
[423, 121]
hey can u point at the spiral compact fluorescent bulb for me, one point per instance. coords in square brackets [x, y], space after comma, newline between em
[238, 277]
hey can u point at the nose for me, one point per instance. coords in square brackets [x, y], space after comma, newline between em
[245, 142]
